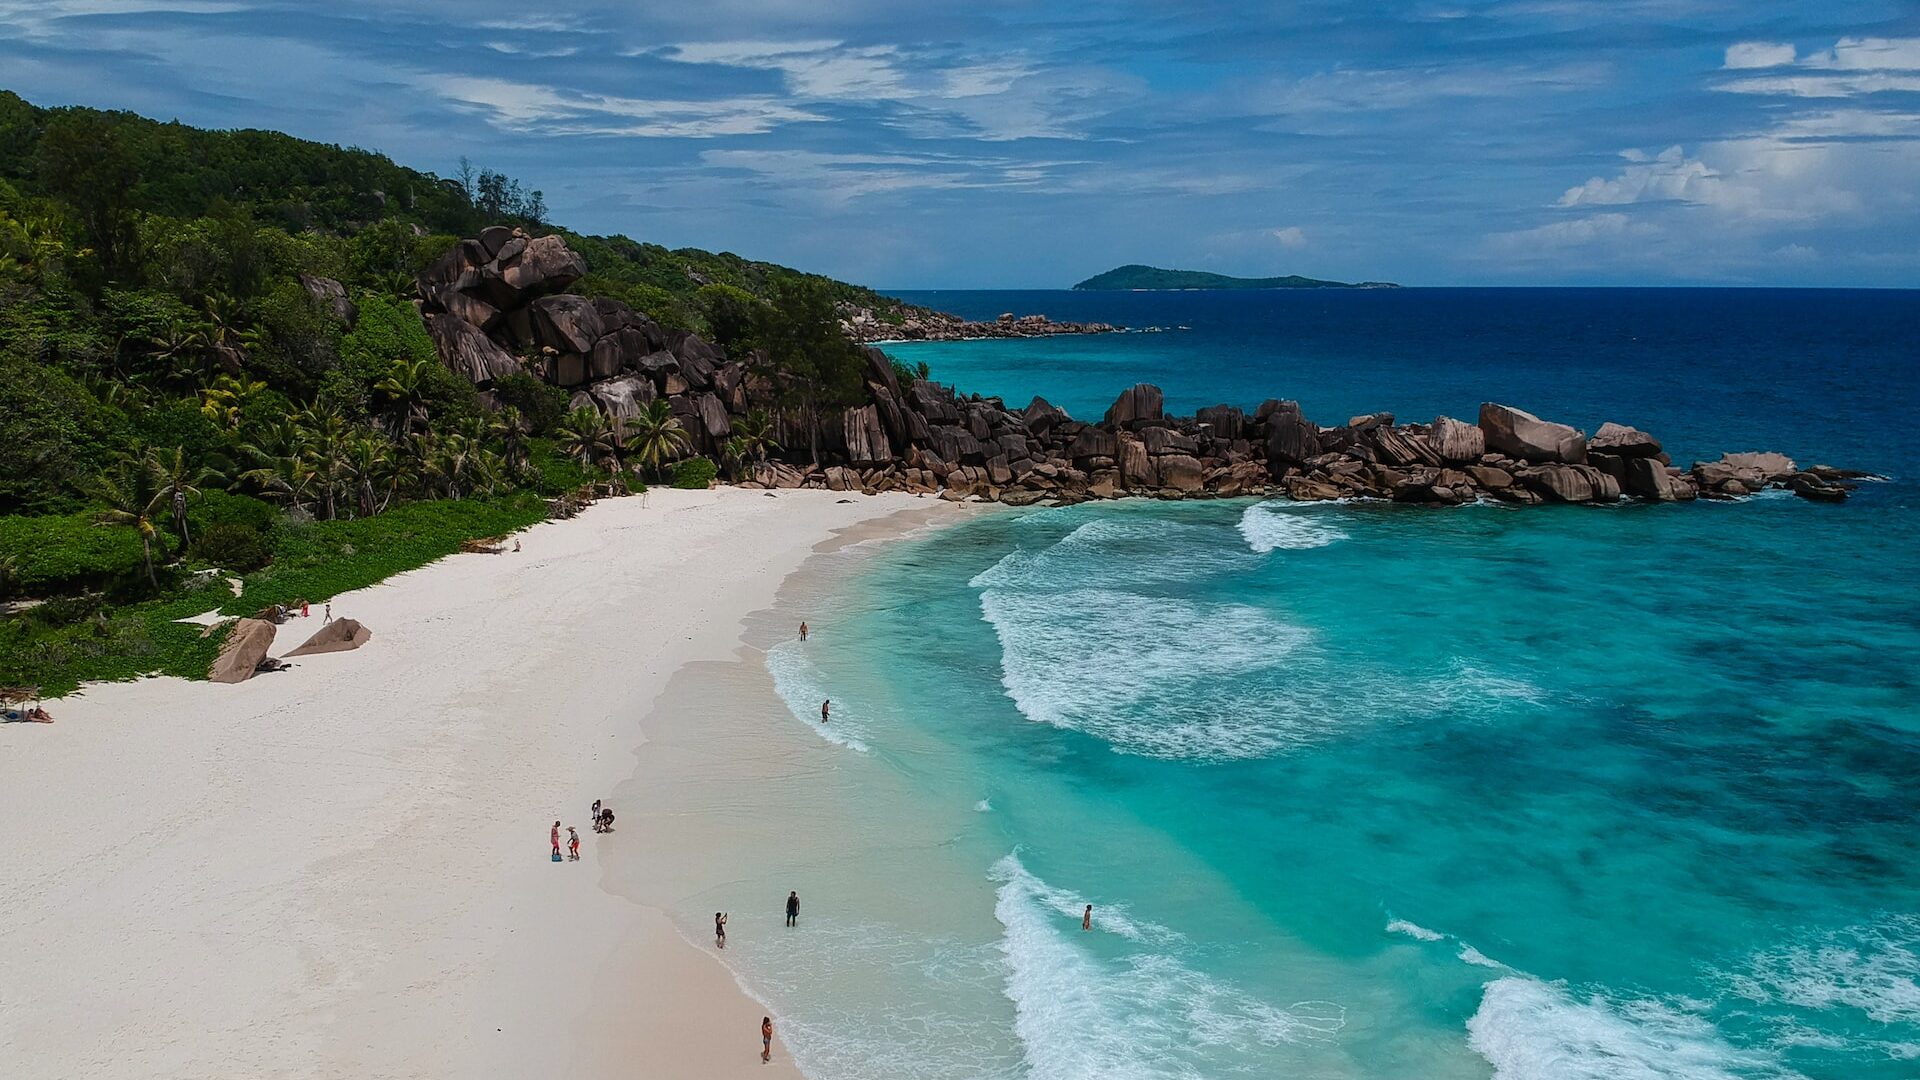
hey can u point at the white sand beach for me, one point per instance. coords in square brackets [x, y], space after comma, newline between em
[342, 870]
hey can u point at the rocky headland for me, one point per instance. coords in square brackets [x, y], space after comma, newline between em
[494, 307]
[919, 324]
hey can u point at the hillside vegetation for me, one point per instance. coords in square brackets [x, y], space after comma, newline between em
[211, 357]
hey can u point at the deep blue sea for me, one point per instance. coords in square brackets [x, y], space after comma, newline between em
[1398, 793]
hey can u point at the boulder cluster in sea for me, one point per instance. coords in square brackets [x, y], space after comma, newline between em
[494, 308]
[863, 325]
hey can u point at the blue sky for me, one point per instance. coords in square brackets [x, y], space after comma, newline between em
[994, 144]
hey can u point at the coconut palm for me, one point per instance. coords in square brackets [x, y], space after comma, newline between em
[279, 457]
[755, 433]
[133, 500]
[177, 482]
[226, 400]
[656, 435]
[180, 351]
[328, 440]
[369, 460]
[405, 390]
[586, 436]
[509, 429]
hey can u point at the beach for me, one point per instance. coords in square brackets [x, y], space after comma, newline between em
[343, 870]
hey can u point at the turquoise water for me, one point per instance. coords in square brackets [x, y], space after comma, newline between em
[1381, 792]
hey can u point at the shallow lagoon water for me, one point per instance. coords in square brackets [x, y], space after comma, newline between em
[1377, 792]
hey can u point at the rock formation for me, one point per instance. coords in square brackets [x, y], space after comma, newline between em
[495, 306]
[914, 324]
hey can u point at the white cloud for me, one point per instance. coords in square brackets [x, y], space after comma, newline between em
[1853, 66]
[1577, 232]
[1759, 54]
[812, 69]
[1826, 86]
[1869, 54]
[1290, 237]
[527, 107]
[1671, 176]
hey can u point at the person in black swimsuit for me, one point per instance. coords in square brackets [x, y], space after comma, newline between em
[793, 908]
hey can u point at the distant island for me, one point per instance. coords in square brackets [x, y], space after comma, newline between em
[1137, 277]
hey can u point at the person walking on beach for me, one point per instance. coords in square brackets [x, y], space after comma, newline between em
[327, 617]
[596, 815]
[555, 837]
[1086, 918]
[825, 707]
[720, 929]
[573, 844]
[793, 908]
[766, 1038]
[803, 630]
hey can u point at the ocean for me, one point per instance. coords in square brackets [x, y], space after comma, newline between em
[1378, 792]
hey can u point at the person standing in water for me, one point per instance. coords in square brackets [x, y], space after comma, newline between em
[555, 837]
[1086, 918]
[766, 1038]
[793, 908]
[573, 843]
[720, 929]
[803, 629]
[825, 707]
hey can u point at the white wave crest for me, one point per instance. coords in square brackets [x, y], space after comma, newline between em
[1270, 527]
[1533, 1030]
[1874, 968]
[799, 683]
[1144, 1017]
[1413, 930]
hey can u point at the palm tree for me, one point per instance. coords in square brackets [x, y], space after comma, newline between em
[405, 387]
[180, 349]
[752, 438]
[328, 438]
[280, 462]
[133, 500]
[226, 400]
[456, 461]
[657, 434]
[368, 459]
[509, 428]
[177, 482]
[586, 436]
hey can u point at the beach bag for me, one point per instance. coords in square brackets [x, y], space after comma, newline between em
[556, 856]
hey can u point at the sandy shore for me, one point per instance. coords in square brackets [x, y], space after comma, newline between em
[343, 871]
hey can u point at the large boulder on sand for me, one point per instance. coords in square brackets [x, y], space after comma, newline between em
[1518, 433]
[340, 635]
[245, 648]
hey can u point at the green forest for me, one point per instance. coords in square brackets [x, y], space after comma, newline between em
[185, 404]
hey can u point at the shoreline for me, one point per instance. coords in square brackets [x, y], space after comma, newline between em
[341, 870]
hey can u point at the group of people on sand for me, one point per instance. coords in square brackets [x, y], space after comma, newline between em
[602, 822]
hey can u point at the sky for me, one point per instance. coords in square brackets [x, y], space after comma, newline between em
[990, 144]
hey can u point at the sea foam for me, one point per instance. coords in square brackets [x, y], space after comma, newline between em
[1144, 1016]
[1873, 968]
[1099, 632]
[1533, 1030]
[800, 685]
[1270, 527]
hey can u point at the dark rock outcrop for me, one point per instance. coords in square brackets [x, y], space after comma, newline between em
[493, 307]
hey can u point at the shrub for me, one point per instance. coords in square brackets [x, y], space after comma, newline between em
[694, 473]
[540, 404]
[64, 553]
[232, 546]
